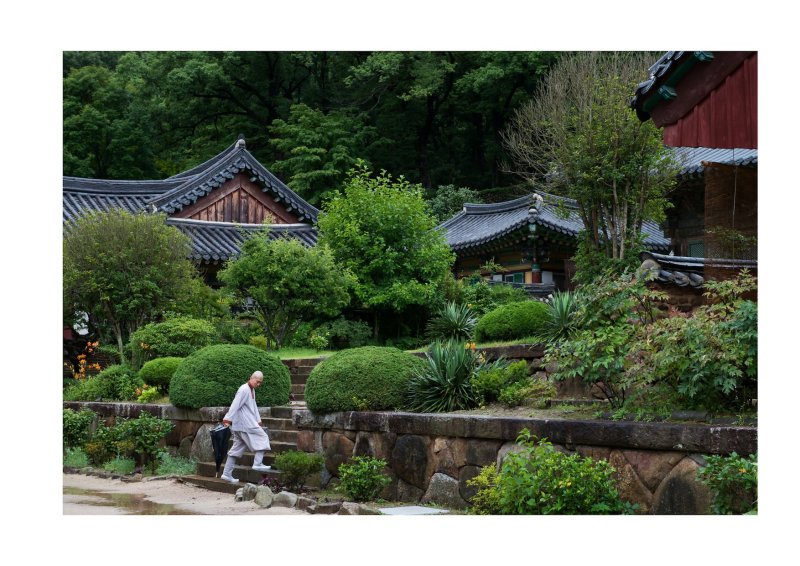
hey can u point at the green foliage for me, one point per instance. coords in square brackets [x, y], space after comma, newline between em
[145, 433]
[449, 200]
[174, 337]
[148, 394]
[733, 480]
[611, 313]
[344, 333]
[287, 283]
[115, 383]
[540, 480]
[708, 359]
[533, 391]
[731, 243]
[578, 138]
[488, 383]
[120, 465]
[169, 465]
[108, 442]
[211, 376]
[123, 270]
[511, 321]
[76, 427]
[564, 320]
[487, 499]
[259, 342]
[159, 372]
[479, 296]
[443, 383]
[380, 230]
[296, 466]
[363, 478]
[318, 149]
[318, 339]
[452, 321]
[75, 458]
[378, 376]
[592, 264]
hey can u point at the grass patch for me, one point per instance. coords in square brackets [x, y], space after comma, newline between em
[176, 465]
[123, 466]
[292, 353]
[76, 458]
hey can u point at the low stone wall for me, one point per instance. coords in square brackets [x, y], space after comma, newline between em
[431, 457]
[189, 437]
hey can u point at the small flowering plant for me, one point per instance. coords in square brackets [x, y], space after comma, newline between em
[733, 480]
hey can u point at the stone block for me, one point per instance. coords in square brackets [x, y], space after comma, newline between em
[185, 447]
[629, 485]
[443, 459]
[349, 508]
[326, 508]
[338, 450]
[285, 499]
[411, 459]
[202, 451]
[464, 475]
[473, 452]
[444, 490]
[408, 492]
[596, 453]
[303, 503]
[651, 466]
[680, 493]
[264, 497]
[374, 444]
[249, 491]
[305, 440]
[505, 449]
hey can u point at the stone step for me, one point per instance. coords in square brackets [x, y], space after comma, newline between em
[274, 424]
[299, 379]
[282, 412]
[245, 474]
[283, 435]
[211, 483]
[298, 388]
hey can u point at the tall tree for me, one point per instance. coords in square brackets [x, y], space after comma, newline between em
[287, 283]
[124, 269]
[379, 228]
[580, 139]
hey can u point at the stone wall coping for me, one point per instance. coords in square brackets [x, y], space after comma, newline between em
[689, 438]
[170, 412]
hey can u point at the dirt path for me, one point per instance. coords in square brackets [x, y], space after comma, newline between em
[92, 495]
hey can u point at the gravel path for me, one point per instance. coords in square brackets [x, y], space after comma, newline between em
[144, 495]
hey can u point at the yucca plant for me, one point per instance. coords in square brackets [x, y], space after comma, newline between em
[453, 321]
[443, 385]
[564, 319]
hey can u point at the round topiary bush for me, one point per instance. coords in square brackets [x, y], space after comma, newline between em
[367, 378]
[211, 376]
[158, 372]
[179, 336]
[512, 321]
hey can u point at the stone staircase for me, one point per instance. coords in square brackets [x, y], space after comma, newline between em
[282, 437]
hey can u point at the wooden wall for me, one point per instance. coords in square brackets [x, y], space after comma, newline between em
[238, 200]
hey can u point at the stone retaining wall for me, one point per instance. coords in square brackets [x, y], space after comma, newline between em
[184, 439]
[431, 457]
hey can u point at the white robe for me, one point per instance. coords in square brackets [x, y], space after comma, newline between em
[244, 418]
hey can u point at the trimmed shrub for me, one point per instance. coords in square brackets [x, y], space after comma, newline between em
[158, 372]
[211, 376]
[179, 336]
[295, 467]
[370, 377]
[488, 383]
[512, 321]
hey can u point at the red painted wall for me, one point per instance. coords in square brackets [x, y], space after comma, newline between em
[726, 118]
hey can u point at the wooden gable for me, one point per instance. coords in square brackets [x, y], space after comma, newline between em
[238, 200]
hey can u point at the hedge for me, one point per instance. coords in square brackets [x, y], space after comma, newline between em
[211, 376]
[367, 378]
[512, 321]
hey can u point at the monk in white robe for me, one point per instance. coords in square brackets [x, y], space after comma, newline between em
[245, 422]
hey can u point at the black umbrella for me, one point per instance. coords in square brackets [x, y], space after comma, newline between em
[220, 435]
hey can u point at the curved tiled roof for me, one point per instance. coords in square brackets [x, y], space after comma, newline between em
[691, 159]
[219, 241]
[479, 224]
[201, 180]
[82, 195]
[686, 271]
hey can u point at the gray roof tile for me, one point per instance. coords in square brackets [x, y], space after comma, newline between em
[480, 224]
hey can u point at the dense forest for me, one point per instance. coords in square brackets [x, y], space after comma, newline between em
[433, 117]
